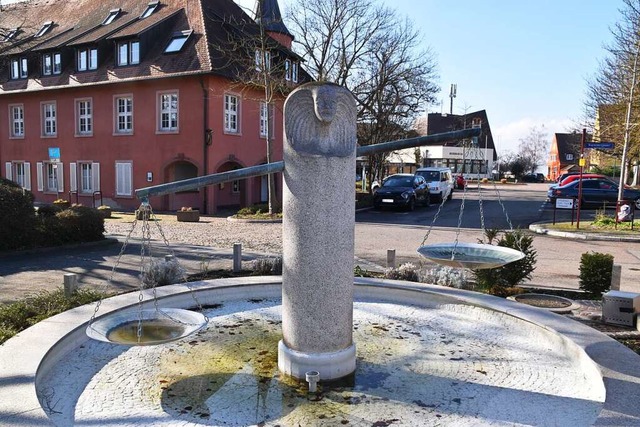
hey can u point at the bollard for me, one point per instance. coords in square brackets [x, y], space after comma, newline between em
[237, 257]
[391, 258]
[616, 275]
[70, 284]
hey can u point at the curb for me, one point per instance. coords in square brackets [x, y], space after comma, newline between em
[539, 228]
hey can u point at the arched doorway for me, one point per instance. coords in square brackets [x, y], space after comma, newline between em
[230, 195]
[177, 171]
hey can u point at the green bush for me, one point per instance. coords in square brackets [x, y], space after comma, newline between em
[80, 224]
[406, 271]
[22, 314]
[514, 273]
[18, 217]
[595, 273]
[267, 266]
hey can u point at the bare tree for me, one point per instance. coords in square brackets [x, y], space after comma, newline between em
[533, 148]
[371, 51]
[259, 66]
[612, 95]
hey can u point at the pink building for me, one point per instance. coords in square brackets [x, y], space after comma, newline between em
[98, 98]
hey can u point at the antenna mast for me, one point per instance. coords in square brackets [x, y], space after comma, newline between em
[452, 94]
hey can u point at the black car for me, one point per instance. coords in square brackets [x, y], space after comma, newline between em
[402, 190]
[533, 177]
[596, 191]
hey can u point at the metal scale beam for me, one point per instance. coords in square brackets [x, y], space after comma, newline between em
[270, 168]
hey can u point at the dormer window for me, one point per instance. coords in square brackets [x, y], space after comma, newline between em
[113, 14]
[263, 62]
[9, 35]
[45, 27]
[87, 59]
[287, 69]
[294, 72]
[128, 53]
[177, 41]
[19, 69]
[51, 64]
[151, 7]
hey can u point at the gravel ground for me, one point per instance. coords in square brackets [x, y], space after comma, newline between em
[210, 231]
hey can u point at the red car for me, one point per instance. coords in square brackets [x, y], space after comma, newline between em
[460, 182]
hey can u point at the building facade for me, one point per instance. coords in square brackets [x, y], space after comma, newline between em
[99, 98]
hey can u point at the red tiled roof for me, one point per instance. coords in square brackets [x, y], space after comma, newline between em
[216, 24]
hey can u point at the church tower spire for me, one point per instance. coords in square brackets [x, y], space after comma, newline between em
[267, 13]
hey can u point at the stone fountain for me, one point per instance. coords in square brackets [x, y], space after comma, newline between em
[425, 355]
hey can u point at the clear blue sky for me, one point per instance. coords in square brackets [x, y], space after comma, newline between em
[525, 62]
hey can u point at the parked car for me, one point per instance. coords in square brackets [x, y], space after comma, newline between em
[460, 182]
[566, 174]
[533, 177]
[440, 182]
[402, 190]
[574, 177]
[597, 191]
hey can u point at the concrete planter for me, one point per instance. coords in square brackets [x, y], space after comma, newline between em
[188, 216]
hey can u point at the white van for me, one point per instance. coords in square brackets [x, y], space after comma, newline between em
[440, 182]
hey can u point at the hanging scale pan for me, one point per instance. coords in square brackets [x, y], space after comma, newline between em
[146, 327]
[474, 256]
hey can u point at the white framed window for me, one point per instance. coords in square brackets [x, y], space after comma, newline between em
[231, 113]
[87, 59]
[84, 117]
[50, 177]
[128, 53]
[20, 173]
[263, 60]
[266, 119]
[51, 64]
[235, 186]
[294, 72]
[124, 178]
[9, 35]
[569, 157]
[287, 69]
[19, 68]
[123, 105]
[49, 124]
[16, 120]
[168, 112]
[85, 177]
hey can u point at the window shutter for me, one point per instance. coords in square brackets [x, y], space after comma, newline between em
[60, 178]
[8, 170]
[27, 175]
[73, 178]
[39, 176]
[95, 169]
[123, 179]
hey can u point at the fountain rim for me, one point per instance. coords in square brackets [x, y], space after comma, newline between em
[43, 345]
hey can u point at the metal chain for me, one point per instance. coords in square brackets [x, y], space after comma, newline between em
[114, 268]
[145, 246]
[435, 218]
[184, 277]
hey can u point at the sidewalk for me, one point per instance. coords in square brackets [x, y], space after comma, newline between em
[28, 272]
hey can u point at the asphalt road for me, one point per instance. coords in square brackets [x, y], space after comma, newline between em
[558, 259]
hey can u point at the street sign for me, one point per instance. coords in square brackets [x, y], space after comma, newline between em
[564, 203]
[54, 154]
[600, 145]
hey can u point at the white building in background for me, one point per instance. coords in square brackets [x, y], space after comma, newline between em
[473, 161]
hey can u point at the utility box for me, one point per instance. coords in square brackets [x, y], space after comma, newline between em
[620, 308]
